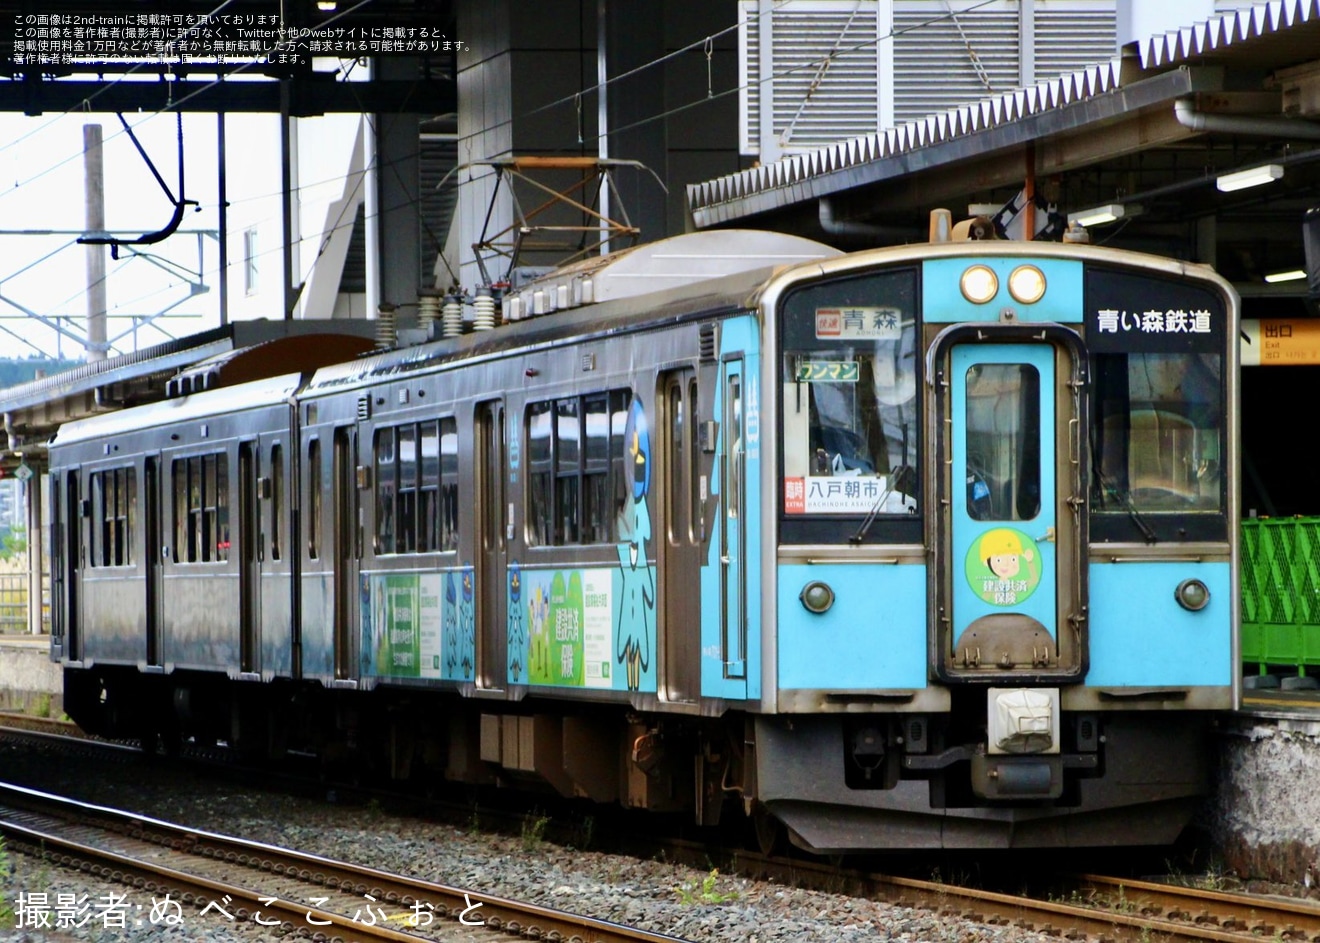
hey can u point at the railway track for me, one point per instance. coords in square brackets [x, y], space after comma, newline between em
[1090, 906]
[184, 875]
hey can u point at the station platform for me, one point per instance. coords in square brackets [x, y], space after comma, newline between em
[29, 680]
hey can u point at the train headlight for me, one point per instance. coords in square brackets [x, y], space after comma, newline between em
[979, 284]
[1027, 284]
[1192, 595]
[817, 597]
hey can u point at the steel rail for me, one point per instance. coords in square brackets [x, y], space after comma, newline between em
[1253, 914]
[129, 847]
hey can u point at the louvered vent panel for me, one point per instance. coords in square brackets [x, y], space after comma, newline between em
[1072, 39]
[943, 63]
[709, 343]
[826, 68]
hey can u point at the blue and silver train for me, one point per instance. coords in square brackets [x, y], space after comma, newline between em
[920, 547]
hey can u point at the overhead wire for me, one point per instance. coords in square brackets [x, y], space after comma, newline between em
[702, 43]
[170, 106]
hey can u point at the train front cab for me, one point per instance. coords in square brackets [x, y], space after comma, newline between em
[1003, 608]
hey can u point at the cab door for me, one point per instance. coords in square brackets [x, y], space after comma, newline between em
[733, 474]
[1009, 590]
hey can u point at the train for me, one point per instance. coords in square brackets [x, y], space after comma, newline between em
[920, 547]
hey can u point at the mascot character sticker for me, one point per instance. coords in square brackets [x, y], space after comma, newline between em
[517, 637]
[467, 625]
[451, 627]
[1003, 566]
[634, 627]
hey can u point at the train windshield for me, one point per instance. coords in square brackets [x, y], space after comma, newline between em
[1158, 416]
[1158, 432]
[849, 420]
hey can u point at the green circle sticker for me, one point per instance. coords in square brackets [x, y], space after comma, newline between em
[1003, 566]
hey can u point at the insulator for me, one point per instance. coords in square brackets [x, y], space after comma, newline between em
[386, 328]
[483, 311]
[451, 317]
[428, 311]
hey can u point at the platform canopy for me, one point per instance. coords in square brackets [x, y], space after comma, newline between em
[1150, 132]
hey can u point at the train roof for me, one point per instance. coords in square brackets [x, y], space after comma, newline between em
[271, 391]
[644, 286]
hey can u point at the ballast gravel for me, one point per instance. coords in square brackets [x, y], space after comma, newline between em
[692, 904]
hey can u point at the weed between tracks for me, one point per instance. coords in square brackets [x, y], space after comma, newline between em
[533, 831]
[704, 891]
[6, 909]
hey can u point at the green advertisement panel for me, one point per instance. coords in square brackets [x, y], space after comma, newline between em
[402, 613]
[569, 615]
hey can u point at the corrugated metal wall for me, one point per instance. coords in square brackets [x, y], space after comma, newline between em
[835, 77]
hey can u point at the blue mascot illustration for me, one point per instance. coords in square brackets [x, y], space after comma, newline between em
[517, 638]
[635, 626]
[451, 627]
[467, 625]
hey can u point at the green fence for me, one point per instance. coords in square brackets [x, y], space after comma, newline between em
[14, 605]
[1281, 593]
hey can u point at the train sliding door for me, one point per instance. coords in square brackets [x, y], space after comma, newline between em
[249, 561]
[681, 540]
[153, 535]
[65, 553]
[492, 624]
[1007, 562]
[346, 551]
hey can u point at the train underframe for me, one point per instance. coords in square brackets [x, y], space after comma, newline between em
[835, 783]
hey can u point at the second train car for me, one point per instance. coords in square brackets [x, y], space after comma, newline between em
[918, 547]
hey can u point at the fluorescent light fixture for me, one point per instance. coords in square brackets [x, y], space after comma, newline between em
[327, 6]
[1251, 177]
[1099, 215]
[1289, 276]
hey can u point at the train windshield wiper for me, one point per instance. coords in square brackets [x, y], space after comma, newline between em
[902, 478]
[1147, 531]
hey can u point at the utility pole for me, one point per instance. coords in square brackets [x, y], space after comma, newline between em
[94, 173]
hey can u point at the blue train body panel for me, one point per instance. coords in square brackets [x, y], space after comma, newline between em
[873, 637]
[1140, 636]
[943, 301]
[730, 645]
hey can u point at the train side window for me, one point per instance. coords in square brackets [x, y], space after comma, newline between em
[385, 471]
[567, 470]
[597, 517]
[406, 519]
[201, 509]
[676, 465]
[114, 496]
[95, 538]
[182, 545]
[449, 484]
[696, 524]
[314, 499]
[577, 485]
[217, 510]
[620, 470]
[276, 500]
[733, 423]
[540, 475]
[428, 495]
